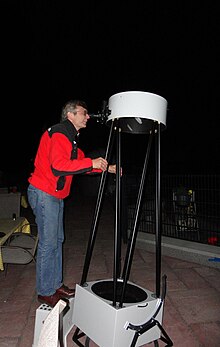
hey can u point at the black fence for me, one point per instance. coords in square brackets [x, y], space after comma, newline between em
[190, 206]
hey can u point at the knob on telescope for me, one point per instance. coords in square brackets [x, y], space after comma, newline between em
[102, 116]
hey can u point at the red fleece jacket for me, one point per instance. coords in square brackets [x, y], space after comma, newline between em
[54, 153]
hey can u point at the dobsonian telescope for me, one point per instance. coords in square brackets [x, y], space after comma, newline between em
[115, 312]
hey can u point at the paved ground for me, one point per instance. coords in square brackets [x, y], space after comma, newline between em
[191, 315]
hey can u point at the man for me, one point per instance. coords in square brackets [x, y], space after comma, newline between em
[58, 158]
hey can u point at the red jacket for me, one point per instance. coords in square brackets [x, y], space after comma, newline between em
[58, 158]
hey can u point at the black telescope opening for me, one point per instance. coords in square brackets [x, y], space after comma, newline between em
[133, 294]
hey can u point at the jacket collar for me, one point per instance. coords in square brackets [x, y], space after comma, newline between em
[73, 133]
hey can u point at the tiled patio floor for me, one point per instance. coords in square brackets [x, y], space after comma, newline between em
[191, 315]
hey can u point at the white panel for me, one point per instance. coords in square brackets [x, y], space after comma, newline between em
[41, 314]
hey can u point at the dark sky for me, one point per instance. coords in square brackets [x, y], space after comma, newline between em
[53, 51]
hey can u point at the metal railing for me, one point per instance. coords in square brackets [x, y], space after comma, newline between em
[190, 206]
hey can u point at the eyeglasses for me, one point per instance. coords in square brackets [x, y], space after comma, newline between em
[82, 112]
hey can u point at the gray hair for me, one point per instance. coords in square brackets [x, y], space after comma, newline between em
[71, 106]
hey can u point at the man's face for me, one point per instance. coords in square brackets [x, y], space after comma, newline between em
[79, 118]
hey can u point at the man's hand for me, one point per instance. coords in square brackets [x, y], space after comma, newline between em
[99, 163]
[112, 169]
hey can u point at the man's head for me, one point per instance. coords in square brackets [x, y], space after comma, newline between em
[76, 111]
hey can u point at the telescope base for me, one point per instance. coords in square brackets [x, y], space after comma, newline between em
[107, 325]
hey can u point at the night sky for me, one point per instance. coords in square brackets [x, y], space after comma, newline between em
[53, 51]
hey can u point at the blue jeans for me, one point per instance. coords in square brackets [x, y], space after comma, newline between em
[48, 212]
